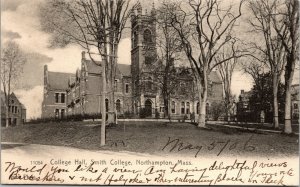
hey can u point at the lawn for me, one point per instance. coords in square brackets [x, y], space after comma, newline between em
[158, 138]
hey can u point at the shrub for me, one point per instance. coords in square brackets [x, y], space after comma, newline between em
[217, 109]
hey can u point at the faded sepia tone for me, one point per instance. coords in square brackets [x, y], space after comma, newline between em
[150, 92]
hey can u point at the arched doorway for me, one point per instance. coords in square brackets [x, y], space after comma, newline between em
[148, 108]
[118, 106]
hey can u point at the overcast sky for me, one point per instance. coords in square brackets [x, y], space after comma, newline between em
[19, 22]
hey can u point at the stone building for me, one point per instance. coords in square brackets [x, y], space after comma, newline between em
[136, 86]
[54, 98]
[16, 111]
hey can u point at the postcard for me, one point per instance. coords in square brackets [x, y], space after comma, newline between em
[136, 92]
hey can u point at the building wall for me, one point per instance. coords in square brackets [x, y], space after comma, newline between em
[16, 112]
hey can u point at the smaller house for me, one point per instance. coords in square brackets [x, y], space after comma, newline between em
[16, 111]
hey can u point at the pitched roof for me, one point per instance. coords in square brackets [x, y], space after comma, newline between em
[58, 80]
[92, 67]
[125, 69]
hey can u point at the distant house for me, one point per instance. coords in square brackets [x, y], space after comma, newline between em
[16, 111]
[55, 86]
[243, 108]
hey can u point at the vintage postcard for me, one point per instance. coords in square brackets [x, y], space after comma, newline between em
[137, 92]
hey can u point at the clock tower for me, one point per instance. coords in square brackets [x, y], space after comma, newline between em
[143, 50]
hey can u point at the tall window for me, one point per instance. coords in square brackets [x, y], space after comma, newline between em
[147, 36]
[149, 83]
[16, 109]
[106, 105]
[135, 39]
[187, 107]
[116, 84]
[198, 105]
[56, 97]
[126, 88]
[118, 106]
[182, 108]
[62, 98]
[173, 107]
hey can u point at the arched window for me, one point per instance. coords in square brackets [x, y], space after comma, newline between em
[106, 105]
[149, 83]
[198, 105]
[182, 107]
[147, 36]
[187, 108]
[135, 39]
[173, 107]
[118, 105]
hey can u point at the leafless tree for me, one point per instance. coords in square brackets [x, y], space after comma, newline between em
[204, 27]
[169, 47]
[226, 70]
[286, 23]
[271, 51]
[95, 25]
[12, 62]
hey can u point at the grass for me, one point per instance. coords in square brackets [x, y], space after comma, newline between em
[266, 126]
[152, 137]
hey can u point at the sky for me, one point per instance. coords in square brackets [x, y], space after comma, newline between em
[19, 22]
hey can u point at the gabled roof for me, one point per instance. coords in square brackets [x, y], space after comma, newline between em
[12, 96]
[91, 67]
[58, 80]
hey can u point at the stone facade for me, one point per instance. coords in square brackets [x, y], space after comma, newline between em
[16, 111]
[135, 85]
[54, 97]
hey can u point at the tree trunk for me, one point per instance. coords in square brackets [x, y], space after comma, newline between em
[202, 100]
[166, 105]
[287, 113]
[102, 141]
[7, 116]
[275, 103]
[289, 73]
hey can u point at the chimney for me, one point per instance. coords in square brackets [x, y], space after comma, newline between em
[83, 55]
[45, 75]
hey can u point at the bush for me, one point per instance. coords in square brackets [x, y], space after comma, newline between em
[75, 117]
[217, 109]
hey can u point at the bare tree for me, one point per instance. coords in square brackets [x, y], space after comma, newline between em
[226, 70]
[204, 27]
[286, 23]
[12, 62]
[95, 25]
[271, 51]
[169, 45]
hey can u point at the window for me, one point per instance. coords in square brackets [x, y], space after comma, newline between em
[106, 105]
[198, 105]
[187, 107]
[56, 97]
[56, 113]
[126, 88]
[118, 106]
[62, 113]
[62, 98]
[16, 109]
[12, 101]
[173, 107]
[182, 108]
[147, 36]
[135, 39]
[149, 83]
[116, 84]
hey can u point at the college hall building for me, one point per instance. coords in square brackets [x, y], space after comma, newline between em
[136, 86]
